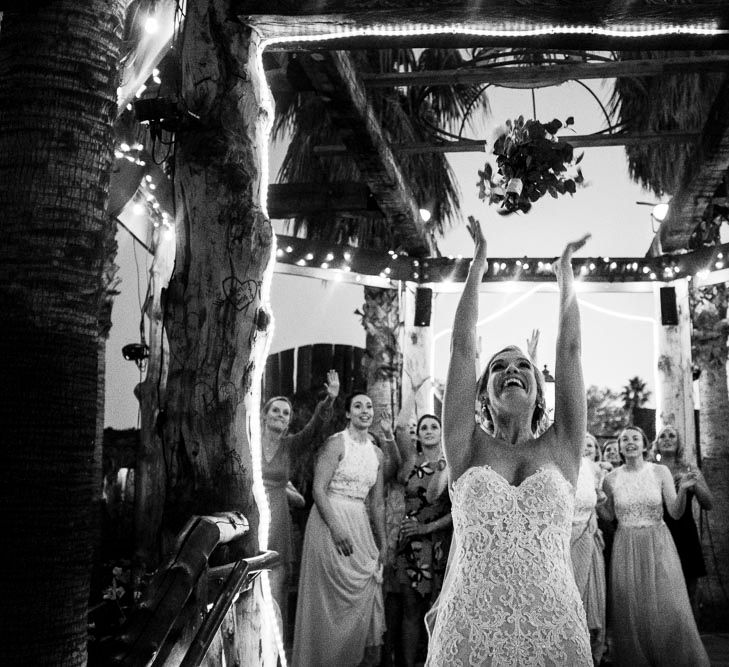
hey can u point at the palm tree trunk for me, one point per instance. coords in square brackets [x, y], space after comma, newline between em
[381, 320]
[710, 354]
[58, 80]
[214, 310]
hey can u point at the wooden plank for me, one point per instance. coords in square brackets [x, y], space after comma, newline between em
[577, 140]
[303, 368]
[335, 78]
[290, 200]
[343, 24]
[271, 378]
[342, 363]
[703, 175]
[322, 357]
[286, 366]
[550, 75]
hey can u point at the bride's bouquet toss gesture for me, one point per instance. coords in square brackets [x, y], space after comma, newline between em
[510, 595]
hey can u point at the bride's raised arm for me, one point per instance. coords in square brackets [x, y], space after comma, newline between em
[460, 392]
[570, 409]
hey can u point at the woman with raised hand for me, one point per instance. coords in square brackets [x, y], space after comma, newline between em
[651, 620]
[278, 447]
[509, 597]
[683, 529]
[340, 614]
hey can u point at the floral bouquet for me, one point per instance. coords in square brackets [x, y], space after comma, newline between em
[531, 163]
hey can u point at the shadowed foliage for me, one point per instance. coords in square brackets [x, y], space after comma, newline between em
[416, 114]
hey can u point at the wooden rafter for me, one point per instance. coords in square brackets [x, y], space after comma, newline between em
[703, 174]
[552, 74]
[591, 24]
[292, 200]
[336, 80]
[577, 141]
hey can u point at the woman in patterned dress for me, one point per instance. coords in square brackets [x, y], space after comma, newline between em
[340, 612]
[425, 531]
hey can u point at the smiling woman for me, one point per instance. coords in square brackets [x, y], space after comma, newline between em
[340, 616]
[277, 449]
[509, 576]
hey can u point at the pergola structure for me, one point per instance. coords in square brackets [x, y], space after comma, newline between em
[307, 48]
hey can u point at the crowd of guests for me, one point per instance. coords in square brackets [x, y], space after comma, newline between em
[635, 544]
[378, 536]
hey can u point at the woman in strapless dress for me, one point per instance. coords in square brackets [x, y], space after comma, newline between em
[509, 596]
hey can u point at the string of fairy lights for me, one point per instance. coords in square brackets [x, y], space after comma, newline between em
[396, 266]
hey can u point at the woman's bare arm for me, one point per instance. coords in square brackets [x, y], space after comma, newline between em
[460, 396]
[675, 500]
[570, 408]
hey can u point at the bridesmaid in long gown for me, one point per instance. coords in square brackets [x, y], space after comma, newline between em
[278, 446]
[652, 621]
[587, 545]
[685, 535]
[509, 597]
[340, 617]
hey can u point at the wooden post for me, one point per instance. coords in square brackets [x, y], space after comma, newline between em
[674, 383]
[416, 349]
[381, 321]
[149, 469]
[215, 312]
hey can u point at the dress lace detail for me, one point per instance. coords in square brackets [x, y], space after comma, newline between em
[357, 471]
[638, 498]
[510, 596]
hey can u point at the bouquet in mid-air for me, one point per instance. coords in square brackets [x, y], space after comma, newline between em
[531, 162]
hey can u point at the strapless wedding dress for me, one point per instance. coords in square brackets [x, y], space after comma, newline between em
[510, 597]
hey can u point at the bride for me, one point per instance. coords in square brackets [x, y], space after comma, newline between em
[509, 597]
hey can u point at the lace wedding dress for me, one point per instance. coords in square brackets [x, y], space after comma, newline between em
[510, 597]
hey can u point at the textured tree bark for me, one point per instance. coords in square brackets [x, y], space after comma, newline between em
[381, 320]
[58, 79]
[710, 353]
[149, 470]
[214, 310]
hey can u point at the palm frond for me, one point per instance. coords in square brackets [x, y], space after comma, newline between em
[657, 104]
[406, 116]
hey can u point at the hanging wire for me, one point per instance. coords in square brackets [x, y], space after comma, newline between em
[610, 126]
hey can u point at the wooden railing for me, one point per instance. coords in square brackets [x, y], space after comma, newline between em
[153, 636]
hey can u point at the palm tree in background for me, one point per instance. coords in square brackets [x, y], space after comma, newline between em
[660, 104]
[634, 395]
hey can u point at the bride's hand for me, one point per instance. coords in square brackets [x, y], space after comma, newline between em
[570, 249]
[474, 229]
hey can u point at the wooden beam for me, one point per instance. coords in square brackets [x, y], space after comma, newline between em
[577, 141]
[291, 200]
[550, 75]
[343, 24]
[335, 78]
[703, 174]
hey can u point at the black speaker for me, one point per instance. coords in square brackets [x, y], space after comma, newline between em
[423, 303]
[669, 310]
